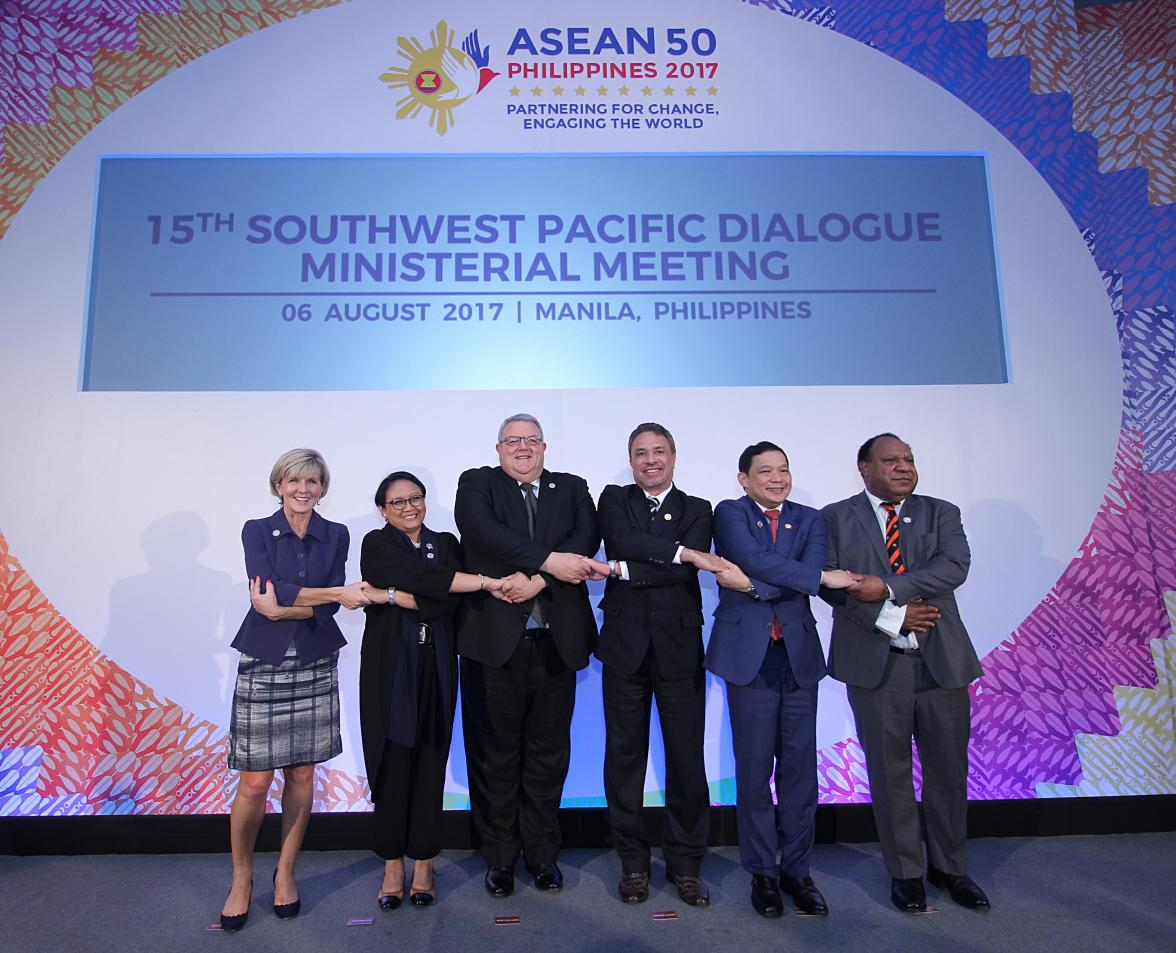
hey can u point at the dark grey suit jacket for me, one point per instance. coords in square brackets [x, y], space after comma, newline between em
[935, 552]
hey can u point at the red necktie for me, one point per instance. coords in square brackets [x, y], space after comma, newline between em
[773, 519]
[893, 552]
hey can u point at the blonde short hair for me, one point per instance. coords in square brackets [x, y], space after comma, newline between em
[295, 463]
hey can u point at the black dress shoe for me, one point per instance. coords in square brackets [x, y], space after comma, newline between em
[285, 911]
[805, 895]
[765, 896]
[691, 889]
[231, 924]
[634, 887]
[908, 894]
[499, 881]
[547, 876]
[963, 889]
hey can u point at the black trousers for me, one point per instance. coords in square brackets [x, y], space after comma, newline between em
[681, 709]
[410, 783]
[517, 721]
[410, 788]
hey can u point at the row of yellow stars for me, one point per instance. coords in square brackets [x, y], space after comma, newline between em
[623, 90]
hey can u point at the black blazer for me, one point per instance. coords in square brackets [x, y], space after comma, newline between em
[388, 558]
[659, 601]
[492, 517]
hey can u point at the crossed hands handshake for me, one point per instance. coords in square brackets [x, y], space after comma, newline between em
[264, 597]
[567, 567]
[919, 616]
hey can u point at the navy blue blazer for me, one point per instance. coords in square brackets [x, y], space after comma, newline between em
[319, 560]
[785, 574]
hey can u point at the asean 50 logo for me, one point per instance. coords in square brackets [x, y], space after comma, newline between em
[440, 77]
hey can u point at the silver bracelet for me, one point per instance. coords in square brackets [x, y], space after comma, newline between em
[391, 596]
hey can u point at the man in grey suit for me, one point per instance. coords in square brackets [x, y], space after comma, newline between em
[902, 650]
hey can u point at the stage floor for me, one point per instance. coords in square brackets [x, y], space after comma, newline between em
[1065, 894]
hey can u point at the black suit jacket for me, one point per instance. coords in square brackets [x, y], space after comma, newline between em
[492, 517]
[389, 559]
[660, 601]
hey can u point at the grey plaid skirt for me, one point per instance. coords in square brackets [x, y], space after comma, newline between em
[284, 715]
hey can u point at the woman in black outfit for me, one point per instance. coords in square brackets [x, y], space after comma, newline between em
[408, 681]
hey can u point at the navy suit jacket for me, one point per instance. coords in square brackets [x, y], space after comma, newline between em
[274, 553]
[785, 574]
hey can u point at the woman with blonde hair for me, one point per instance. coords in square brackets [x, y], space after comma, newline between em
[286, 700]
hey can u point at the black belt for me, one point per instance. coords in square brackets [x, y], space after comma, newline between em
[533, 635]
[897, 651]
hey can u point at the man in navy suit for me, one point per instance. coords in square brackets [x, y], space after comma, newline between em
[900, 646]
[764, 644]
[521, 649]
[656, 538]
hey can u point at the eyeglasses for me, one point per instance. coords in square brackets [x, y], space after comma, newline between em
[404, 502]
[515, 442]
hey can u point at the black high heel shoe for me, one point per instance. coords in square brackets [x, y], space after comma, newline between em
[422, 898]
[285, 911]
[390, 901]
[231, 924]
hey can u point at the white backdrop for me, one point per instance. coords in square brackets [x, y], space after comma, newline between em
[126, 508]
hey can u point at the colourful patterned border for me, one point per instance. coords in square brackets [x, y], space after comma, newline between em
[1080, 698]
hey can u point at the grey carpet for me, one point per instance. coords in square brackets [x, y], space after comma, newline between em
[1103, 894]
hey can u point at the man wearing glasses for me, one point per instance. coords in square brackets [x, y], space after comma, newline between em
[522, 646]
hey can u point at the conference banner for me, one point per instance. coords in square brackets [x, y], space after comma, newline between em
[750, 269]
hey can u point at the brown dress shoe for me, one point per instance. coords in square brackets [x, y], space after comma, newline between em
[634, 887]
[691, 889]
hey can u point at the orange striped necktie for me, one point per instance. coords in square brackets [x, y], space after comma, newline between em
[893, 550]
